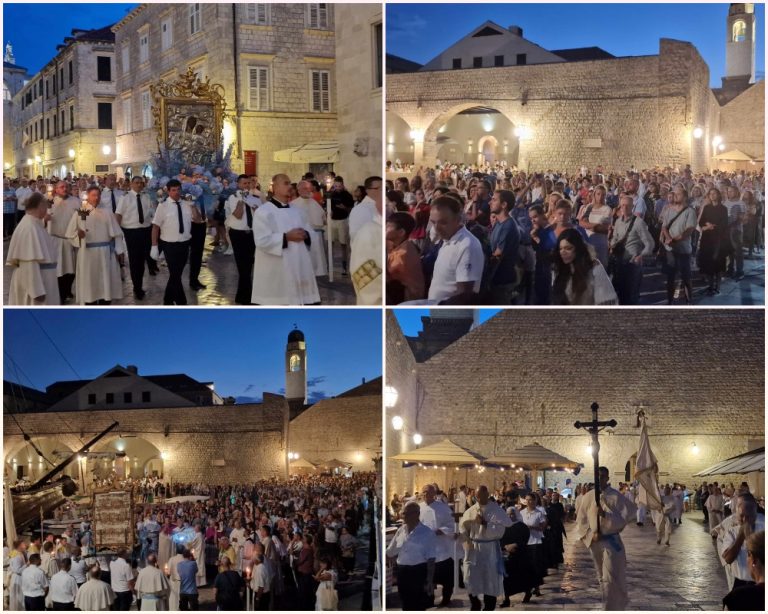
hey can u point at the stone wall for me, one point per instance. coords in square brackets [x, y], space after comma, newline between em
[636, 111]
[527, 376]
[742, 122]
[359, 96]
[345, 428]
[250, 439]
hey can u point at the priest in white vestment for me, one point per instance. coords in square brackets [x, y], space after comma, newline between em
[366, 261]
[15, 568]
[65, 206]
[481, 528]
[32, 254]
[605, 546]
[197, 546]
[95, 595]
[152, 587]
[174, 580]
[314, 217]
[282, 267]
[99, 238]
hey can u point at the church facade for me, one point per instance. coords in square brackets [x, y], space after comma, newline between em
[569, 108]
[525, 376]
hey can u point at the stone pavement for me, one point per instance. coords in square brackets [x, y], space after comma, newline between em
[687, 575]
[219, 274]
[748, 291]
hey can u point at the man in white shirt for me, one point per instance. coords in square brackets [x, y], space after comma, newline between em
[459, 266]
[22, 194]
[414, 547]
[78, 567]
[121, 579]
[733, 549]
[110, 196]
[239, 209]
[34, 585]
[134, 215]
[261, 580]
[366, 210]
[171, 233]
[63, 591]
[442, 523]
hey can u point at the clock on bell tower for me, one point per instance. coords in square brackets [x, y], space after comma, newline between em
[296, 367]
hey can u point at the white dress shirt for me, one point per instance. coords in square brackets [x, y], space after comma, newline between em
[63, 588]
[106, 198]
[230, 205]
[33, 581]
[22, 194]
[414, 548]
[167, 218]
[121, 575]
[127, 208]
[77, 571]
[460, 259]
[532, 519]
[262, 578]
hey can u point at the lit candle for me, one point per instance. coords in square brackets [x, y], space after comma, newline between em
[248, 573]
[167, 573]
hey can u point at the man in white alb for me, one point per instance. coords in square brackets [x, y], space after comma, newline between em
[98, 239]
[95, 595]
[365, 261]
[481, 528]
[605, 546]
[152, 587]
[282, 268]
[366, 210]
[65, 206]
[314, 217]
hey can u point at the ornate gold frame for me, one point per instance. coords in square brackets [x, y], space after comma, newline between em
[187, 89]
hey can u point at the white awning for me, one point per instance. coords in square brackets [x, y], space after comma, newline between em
[748, 462]
[319, 152]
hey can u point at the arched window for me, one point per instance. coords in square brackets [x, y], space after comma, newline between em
[6, 91]
[295, 362]
[739, 31]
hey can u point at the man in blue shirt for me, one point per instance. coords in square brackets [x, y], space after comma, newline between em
[505, 243]
[187, 570]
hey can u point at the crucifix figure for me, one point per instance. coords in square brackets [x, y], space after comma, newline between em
[593, 427]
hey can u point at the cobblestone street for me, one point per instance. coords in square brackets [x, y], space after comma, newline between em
[219, 274]
[684, 576]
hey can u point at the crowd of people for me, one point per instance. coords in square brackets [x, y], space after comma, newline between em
[72, 239]
[508, 540]
[268, 545]
[459, 234]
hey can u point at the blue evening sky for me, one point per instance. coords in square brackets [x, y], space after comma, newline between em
[419, 32]
[241, 350]
[410, 319]
[34, 30]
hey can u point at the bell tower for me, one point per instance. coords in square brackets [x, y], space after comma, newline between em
[296, 367]
[740, 42]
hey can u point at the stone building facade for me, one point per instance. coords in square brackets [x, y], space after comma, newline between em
[359, 66]
[523, 377]
[276, 63]
[63, 117]
[14, 78]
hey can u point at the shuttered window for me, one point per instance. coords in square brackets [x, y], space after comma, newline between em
[258, 88]
[321, 91]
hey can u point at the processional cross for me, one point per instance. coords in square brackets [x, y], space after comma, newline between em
[593, 427]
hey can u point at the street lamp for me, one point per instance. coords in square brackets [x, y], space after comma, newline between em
[397, 423]
[29, 161]
[38, 158]
[390, 396]
[417, 439]
[697, 133]
[106, 150]
[71, 153]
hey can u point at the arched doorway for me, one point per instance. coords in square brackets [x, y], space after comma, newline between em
[24, 462]
[124, 456]
[629, 468]
[486, 149]
[399, 139]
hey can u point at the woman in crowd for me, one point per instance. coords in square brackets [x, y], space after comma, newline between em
[713, 222]
[596, 218]
[678, 221]
[579, 279]
[751, 597]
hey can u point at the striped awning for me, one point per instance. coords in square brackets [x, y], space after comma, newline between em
[319, 152]
[443, 453]
[534, 456]
[748, 462]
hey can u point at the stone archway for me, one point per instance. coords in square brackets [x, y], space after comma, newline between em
[22, 459]
[398, 138]
[125, 455]
[487, 148]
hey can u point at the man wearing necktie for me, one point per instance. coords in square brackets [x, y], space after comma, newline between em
[134, 215]
[171, 233]
[110, 196]
[239, 210]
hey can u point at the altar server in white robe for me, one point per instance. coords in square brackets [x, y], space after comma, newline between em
[16, 566]
[99, 238]
[95, 595]
[32, 254]
[481, 528]
[365, 260]
[174, 580]
[282, 268]
[605, 546]
[152, 587]
[65, 206]
[367, 209]
[314, 217]
[197, 546]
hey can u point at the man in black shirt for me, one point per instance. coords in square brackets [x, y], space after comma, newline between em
[341, 204]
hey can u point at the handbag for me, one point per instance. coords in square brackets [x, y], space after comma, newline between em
[327, 596]
[617, 251]
[665, 256]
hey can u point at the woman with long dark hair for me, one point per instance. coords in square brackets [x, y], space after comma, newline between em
[580, 279]
[713, 221]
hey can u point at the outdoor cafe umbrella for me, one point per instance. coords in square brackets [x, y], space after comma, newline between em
[533, 457]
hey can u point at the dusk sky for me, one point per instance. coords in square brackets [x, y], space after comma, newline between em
[35, 30]
[241, 351]
[410, 319]
[419, 32]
